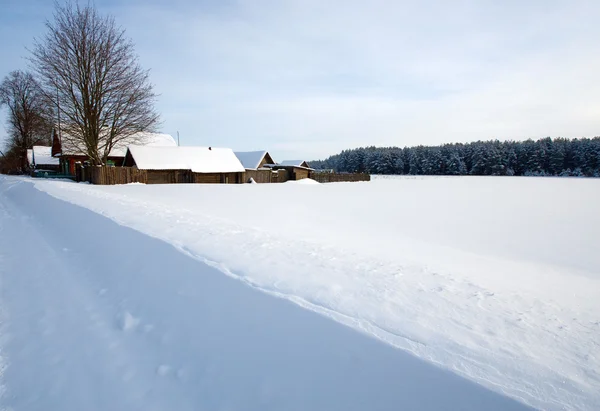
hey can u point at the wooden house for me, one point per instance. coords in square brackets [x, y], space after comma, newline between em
[42, 160]
[168, 165]
[253, 160]
[257, 165]
[70, 151]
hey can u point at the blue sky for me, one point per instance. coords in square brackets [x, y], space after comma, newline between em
[308, 78]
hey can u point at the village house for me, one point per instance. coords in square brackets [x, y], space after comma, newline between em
[168, 165]
[254, 160]
[71, 153]
[41, 161]
[258, 167]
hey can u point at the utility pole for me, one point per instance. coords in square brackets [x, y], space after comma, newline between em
[178, 139]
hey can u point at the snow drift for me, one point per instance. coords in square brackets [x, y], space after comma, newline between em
[97, 316]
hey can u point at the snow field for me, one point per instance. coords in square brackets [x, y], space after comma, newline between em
[100, 316]
[496, 279]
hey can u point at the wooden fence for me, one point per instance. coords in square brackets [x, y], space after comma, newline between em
[115, 175]
[339, 177]
[125, 175]
[103, 175]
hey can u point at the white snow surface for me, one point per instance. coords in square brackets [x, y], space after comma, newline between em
[250, 159]
[42, 156]
[304, 181]
[494, 279]
[97, 316]
[197, 159]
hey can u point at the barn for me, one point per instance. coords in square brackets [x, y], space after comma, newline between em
[168, 165]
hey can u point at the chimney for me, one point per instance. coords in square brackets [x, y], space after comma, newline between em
[56, 146]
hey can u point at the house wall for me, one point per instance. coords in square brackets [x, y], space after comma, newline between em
[218, 178]
[260, 176]
[282, 176]
[49, 167]
[300, 173]
[170, 176]
[267, 159]
[67, 162]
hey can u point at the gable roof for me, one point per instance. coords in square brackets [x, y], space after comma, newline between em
[251, 159]
[75, 148]
[197, 159]
[42, 156]
[296, 163]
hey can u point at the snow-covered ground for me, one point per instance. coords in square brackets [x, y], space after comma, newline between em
[495, 279]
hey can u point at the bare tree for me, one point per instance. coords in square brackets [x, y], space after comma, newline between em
[29, 114]
[103, 95]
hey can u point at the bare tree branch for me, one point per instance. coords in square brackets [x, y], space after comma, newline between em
[104, 95]
[29, 114]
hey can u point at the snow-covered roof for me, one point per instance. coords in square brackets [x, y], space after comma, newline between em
[297, 163]
[251, 159]
[197, 159]
[30, 156]
[70, 147]
[42, 156]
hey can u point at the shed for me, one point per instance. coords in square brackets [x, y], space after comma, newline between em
[167, 165]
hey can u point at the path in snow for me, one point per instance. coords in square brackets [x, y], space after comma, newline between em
[98, 316]
[528, 329]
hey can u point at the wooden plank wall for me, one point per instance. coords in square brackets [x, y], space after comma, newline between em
[218, 178]
[115, 175]
[282, 176]
[103, 175]
[300, 173]
[260, 176]
[170, 176]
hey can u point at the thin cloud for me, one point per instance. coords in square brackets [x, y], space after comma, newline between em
[309, 78]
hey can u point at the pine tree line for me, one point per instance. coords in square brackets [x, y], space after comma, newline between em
[545, 157]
